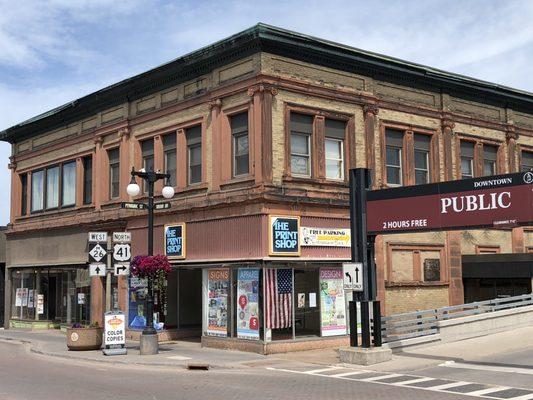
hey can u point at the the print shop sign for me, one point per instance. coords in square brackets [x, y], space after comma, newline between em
[175, 241]
[501, 201]
[283, 235]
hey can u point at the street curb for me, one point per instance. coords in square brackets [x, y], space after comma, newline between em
[35, 347]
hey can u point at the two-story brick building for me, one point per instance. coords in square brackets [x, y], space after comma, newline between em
[258, 132]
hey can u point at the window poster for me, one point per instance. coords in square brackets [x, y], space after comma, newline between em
[248, 303]
[217, 304]
[332, 302]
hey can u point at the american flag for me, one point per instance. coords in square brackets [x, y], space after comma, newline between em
[278, 298]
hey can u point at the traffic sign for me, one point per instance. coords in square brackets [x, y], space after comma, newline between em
[122, 269]
[133, 206]
[97, 270]
[352, 274]
[122, 252]
[97, 237]
[122, 237]
[97, 251]
[162, 206]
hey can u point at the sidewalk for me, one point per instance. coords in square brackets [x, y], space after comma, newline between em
[173, 354]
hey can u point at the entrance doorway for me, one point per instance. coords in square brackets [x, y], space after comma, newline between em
[307, 302]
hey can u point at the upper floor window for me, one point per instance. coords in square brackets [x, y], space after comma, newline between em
[422, 149]
[467, 159]
[194, 154]
[114, 172]
[489, 160]
[393, 156]
[239, 133]
[24, 194]
[526, 161]
[170, 161]
[301, 131]
[87, 180]
[54, 187]
[147, 148]
[334, 143]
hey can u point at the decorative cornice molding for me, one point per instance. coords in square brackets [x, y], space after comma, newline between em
[511, 133]
[215, 104]
[98, 140]
[371, 109]
[12, 165]
[447, 123]
[261, 89]
[124, 132]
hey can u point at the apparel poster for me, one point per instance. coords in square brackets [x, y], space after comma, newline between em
[248, 303]
[18, 297]
[332, 301]
[218, 292]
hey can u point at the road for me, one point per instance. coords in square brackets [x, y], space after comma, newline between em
[26, 375]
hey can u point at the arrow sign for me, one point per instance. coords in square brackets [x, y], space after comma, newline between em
[122, 269]
[97, 270]
[133, 206]
[162, 206]
[352, 279]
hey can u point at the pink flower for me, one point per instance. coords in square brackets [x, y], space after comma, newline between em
[150, 266]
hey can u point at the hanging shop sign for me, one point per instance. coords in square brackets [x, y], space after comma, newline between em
[500, 201]
[248, 303]
[284, 236]
[175, 241]
[217, 302]
[332, 302]
[326, 237]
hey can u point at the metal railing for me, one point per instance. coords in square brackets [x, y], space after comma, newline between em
[423, 323]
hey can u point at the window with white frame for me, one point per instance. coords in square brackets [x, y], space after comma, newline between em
[393, 156]
[170, 160]
[114, 173]
[239, 132]
[422, 146]
[489, 159]
[467, 159]
[300, 139]
[526, 161]
[194, 154]
[334, 142]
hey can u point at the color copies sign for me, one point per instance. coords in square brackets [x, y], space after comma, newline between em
[500, 201]
[332, 302]
[115, 329]
[217, 302]
[284, 236]
[175, 241]
[248, 303]
[328, 237]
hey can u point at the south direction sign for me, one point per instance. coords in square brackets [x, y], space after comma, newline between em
[352, 274]
[499, 201]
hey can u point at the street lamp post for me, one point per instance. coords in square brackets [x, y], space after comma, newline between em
[149, 343]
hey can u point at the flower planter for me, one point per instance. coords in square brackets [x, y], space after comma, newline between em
[84, 338]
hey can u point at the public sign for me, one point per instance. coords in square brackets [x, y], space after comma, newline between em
[352, 274]
[114, 333]
[133, 206]
[97, 252]
[175, 241]
[162, 206]
[97, 269]
[122, 252]
[324, 237]
[97, 237]
[500, 201]
[122, 269]
[284, 236]
[121, 237]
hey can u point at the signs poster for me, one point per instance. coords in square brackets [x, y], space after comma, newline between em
[217, 302]
[284, 236]
[332, 302]
[175, 242]
[248, 303]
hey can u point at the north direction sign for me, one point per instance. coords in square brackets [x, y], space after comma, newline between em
[499, 201]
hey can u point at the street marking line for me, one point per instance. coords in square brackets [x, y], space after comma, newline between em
[377, 378]
[179, 358]
[317, 371]
[349, 373]
[417, 380]
[511, 370]
[483, 392]
[524, 397]
[449, 385]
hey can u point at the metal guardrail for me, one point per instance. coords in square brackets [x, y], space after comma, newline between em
[423, 323]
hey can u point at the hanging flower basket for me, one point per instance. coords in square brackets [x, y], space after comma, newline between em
[150, 266]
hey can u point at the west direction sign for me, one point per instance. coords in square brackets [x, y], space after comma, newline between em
[499, 201]
[133, 206]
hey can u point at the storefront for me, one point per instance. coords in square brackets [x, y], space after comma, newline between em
[258, 283]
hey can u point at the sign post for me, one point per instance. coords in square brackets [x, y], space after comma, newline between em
[114, 333]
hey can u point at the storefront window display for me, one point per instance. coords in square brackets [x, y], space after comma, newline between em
[248, 303]
[332, 302]
[218, 286]
[51, 294]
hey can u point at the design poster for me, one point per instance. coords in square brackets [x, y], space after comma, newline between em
[217, 305]
[248, 304]
[332, 302]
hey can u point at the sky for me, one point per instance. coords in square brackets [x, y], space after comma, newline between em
[55, 51]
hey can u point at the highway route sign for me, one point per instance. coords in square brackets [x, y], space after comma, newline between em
[97, 252]
[121, 252]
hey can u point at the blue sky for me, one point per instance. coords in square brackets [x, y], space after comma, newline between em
[55, 51]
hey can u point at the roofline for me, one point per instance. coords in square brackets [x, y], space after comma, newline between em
[271, 39]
